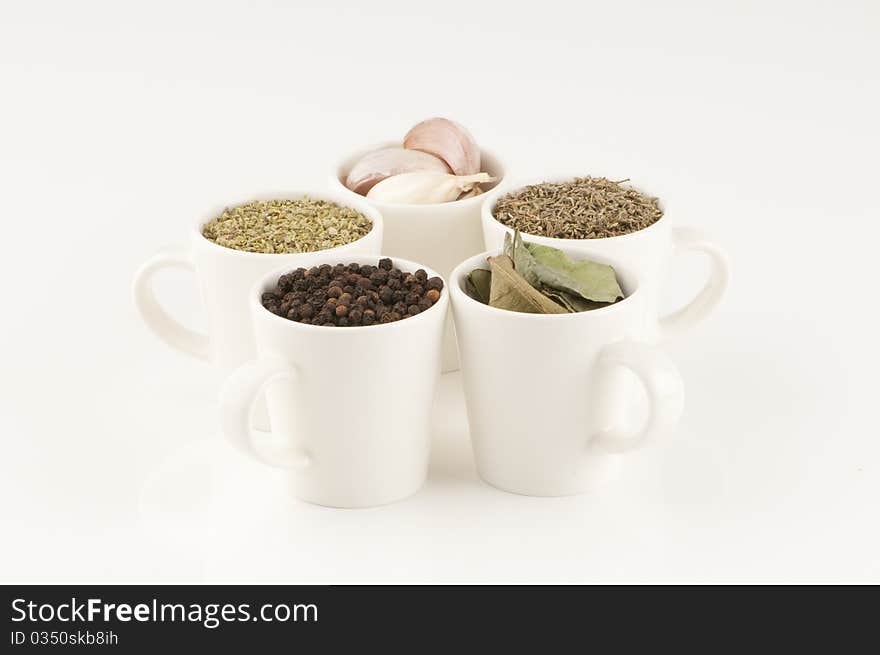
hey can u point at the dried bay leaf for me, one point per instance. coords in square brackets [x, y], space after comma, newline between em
[570, 301]
[479, 285]
[546, 268]
[585, 278]
[523, 261]
[511, 291]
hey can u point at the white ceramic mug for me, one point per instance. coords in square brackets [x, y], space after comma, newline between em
[543, 392]
[440, 235]
[226, 278]
[349, 406]
[648, 253]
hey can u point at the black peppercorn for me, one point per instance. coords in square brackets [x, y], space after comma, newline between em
[352, 294]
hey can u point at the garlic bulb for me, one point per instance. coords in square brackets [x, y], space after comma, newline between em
[447, 140]
[375, 166]
[424, 188]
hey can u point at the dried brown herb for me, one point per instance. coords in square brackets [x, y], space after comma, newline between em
[287, 226]
[479, 285]
[511, 291]
[584, 208]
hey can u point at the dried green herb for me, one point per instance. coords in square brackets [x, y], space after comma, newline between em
[584, 208]
[287, 226]
[588, 279]
[546, 267]
[570, 301]
[479, 284]
[511, 291]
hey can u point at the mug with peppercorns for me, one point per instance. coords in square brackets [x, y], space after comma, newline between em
[335, 343]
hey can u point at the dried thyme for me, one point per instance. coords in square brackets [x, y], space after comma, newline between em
[584, 208]
[287, 226]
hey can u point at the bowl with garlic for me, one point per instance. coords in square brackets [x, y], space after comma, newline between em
[429, 189]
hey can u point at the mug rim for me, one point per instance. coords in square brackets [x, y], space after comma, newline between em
[493, 195]
[272, 277]
[337, 180]
[372, 213]
[471, 263]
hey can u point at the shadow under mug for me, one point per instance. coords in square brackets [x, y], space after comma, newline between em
[544, 393]
[439, 235]
[226, 278]
[349, 406]
[648, 253]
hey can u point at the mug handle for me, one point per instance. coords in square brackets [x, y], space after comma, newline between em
[681, 320]
[157, 319]
[237, 400]
[661, 380]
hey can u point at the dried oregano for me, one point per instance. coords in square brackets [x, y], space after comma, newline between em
[287, 226]
[584, 208]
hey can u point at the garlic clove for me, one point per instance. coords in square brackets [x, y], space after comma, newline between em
[375, 166]
[423, 188]
[447, 140]
[475, 191]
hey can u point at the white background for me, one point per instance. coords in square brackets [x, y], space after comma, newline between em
[757, 121]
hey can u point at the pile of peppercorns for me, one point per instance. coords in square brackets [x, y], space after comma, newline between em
[353, 294]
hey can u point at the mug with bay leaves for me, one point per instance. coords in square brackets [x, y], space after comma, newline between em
[613, 220]
[543, 389]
